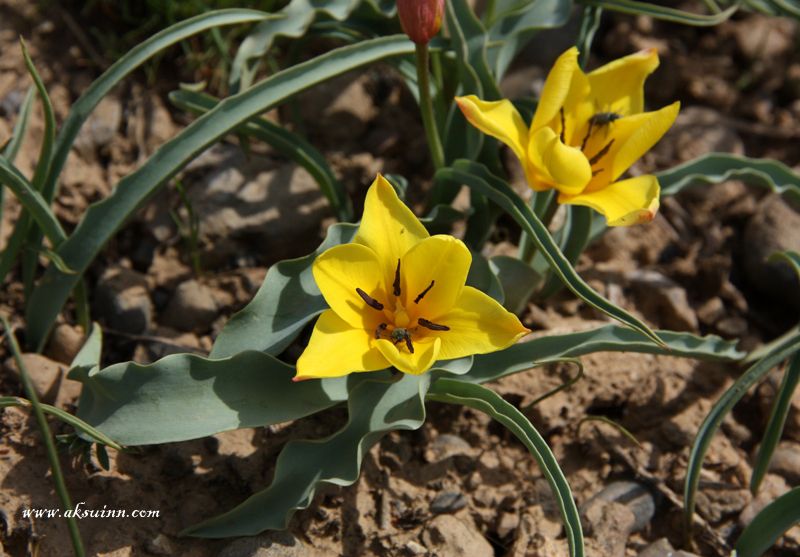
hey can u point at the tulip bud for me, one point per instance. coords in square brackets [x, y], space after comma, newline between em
[421, 19]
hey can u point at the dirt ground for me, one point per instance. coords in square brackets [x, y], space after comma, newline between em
[461, 485]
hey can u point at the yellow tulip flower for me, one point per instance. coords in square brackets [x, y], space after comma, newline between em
[588, 130]
[397, 298]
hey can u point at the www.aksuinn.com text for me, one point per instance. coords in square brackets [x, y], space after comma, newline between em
[80, 511]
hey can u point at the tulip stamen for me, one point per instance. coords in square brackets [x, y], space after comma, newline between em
[563, 124]
[370, 301]
[601, 153]
[422, 294]
[396, 283]
[379, 330]
[432, 326]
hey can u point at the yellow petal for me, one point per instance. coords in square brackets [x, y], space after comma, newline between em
[623, 203]
[339, 270]
[567, 168]
[337, 349]
[639, 136]
[439, 260]
[619, 85]
[425, 354]
[478, 324]
[556, 88]
[388, 225]
[497, 118]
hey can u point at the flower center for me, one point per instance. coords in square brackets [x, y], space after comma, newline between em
[397, 328]
[596, 121]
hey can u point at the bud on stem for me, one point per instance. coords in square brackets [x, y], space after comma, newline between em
[421, 19]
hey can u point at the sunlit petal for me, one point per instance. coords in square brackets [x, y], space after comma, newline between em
[497, 118]
[556, 89]
[623, 203]
[619, 85]
[337, 349]
[340, 270]
[440, 261]
[639, 138]
[565, 167]
[388, 225]
[425, 354]
[478, 324]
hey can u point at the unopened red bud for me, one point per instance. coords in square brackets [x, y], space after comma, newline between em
[421, 19]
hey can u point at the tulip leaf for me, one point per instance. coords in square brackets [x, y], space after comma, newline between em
[718, 412]
[777, 419]
[477, 177]
[482, 277]
[285, 142]
[609, 338]
[12, 147]
[88, 357]
[292, 21]
[453, 391]
[375, 408]
[633, 7]
[575, 237]
[287, 300]
[517, 280]
[769, 525]
[186, 396]
[790, 257]
[715, 168]
[105, 217]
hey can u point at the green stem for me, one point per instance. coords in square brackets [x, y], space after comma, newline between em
[544, 205]
[426, 107]
[81, 298]
[52, 454]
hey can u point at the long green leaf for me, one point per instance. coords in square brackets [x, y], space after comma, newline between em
[375, 407]
[714, 418]
[476, 176]
[104, 218]
[480, 398]
[142, 52]
[66, 417]
[287, 300]
[576, 236]
[769, 525]
[185, 396]
[777, 419]
[285, 142]
[633, 7]
[292, 21]
[610, 338]
[32, 201]
[715, 168]
[12, 147]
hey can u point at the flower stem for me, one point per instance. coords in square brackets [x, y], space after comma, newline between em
[544, 205]
[52, 454]
[426, 106]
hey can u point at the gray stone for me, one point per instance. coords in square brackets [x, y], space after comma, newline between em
[160, 545]
[633, 495]
[100, 128]
[413, 548]
[774, 227]
[448, 536]
[272, 544]
[662, 548]
[192, 307]
[446, 446]
[665, 298]
[122, 300]
[448, 502]
[250, 203]
[65, 342]
[45, 374]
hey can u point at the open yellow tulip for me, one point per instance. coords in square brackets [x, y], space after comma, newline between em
[588, 130]
[398, 298]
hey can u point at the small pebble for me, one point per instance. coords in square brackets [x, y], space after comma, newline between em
[448, 502]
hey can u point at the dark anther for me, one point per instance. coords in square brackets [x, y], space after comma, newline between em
[563, 124]
[409, 345]
[432, 326]
[588, 133]
[601, 154]
[596, 172]
[422, 294]
[396, 283]
[380, 329]
[371, 302]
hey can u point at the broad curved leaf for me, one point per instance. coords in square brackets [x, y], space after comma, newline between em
[719, 167]
[104, 218]
[375, 407]
[480, 398]
[477, 177]
[655, 11]
[769, 525]
[33, 202]
[610, 338]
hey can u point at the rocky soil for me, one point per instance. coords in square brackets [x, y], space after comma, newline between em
[461, 485]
